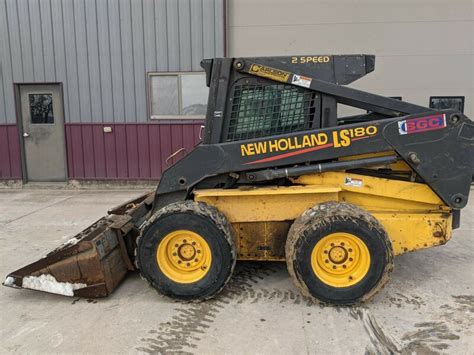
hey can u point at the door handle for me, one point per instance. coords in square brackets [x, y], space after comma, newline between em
[25, 135]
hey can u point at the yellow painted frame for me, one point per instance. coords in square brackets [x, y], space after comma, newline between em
[412, 214]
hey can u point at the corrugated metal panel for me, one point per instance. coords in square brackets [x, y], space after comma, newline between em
[116, 62]
[127, 59]
[10, 162]
[36, 40]
[172, 40]
[184, 17]
[4, 59]
[47, 39]
[138, 49]
[72, 77]
[23, 14]
[101, 50]
[105, 62]
[196, 37]
[131, 151]
[93, 60]
[161, 23]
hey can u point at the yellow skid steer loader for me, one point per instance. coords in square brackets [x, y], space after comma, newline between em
[280, 176]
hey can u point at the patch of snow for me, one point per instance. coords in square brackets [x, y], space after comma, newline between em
[48, 283]
[9, 281]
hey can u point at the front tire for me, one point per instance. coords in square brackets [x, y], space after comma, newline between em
[186, 251]
[337, 253]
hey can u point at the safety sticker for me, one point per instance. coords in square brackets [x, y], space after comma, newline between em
[269, 73]
[301, 80]
[422, 124]
[348, 181]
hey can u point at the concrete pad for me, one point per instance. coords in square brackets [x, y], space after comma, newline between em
[427, 307]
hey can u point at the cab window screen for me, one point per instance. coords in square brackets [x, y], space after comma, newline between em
[259, 111]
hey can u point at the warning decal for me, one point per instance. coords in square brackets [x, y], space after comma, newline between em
[301, 80]
[348, 181]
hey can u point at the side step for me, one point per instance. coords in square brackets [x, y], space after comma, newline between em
[94, 262]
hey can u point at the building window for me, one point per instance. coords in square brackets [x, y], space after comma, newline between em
[41, 108]
[178, 95]
[447, 102]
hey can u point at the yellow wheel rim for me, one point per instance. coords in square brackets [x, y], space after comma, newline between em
[340, 260]
[184, 256]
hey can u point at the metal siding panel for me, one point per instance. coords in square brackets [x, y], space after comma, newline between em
[15, 153]
[71, 61]
[185, 49]
[77, 153]
[149, 35]
[144, 150]
[161, 24]
[196, 35]
[36, 40]
[99, 151]
[173, 35]
[139, 62]
[132, 151]
[208, 29]
[176, 139]
[154, 147]
[127, 58]
[5, 67]
[302, 13]
[70, 159]
[25, 41]
[48, 44]
[5, 165]
[219, 28]
[93, 61]
[189, 137]
[15, 42]
[105, 62]
[121, 150]
[116, 62]
[3, 115]
[110, 154]
[82, 61]
[149, 38]
[165, 145]
[88, 150]
[60, 54]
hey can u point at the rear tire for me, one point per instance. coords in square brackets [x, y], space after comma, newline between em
[337, 253]
[186, 251]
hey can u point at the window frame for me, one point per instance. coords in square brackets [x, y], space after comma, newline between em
[463, 99]
[179, 74]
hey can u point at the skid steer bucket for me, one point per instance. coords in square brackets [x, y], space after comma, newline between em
[94, 262]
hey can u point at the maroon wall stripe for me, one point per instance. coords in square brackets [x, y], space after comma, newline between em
[130, 151]
[154, 146]
[10, 156]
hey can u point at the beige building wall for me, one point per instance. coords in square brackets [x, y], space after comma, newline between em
[423, 48]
